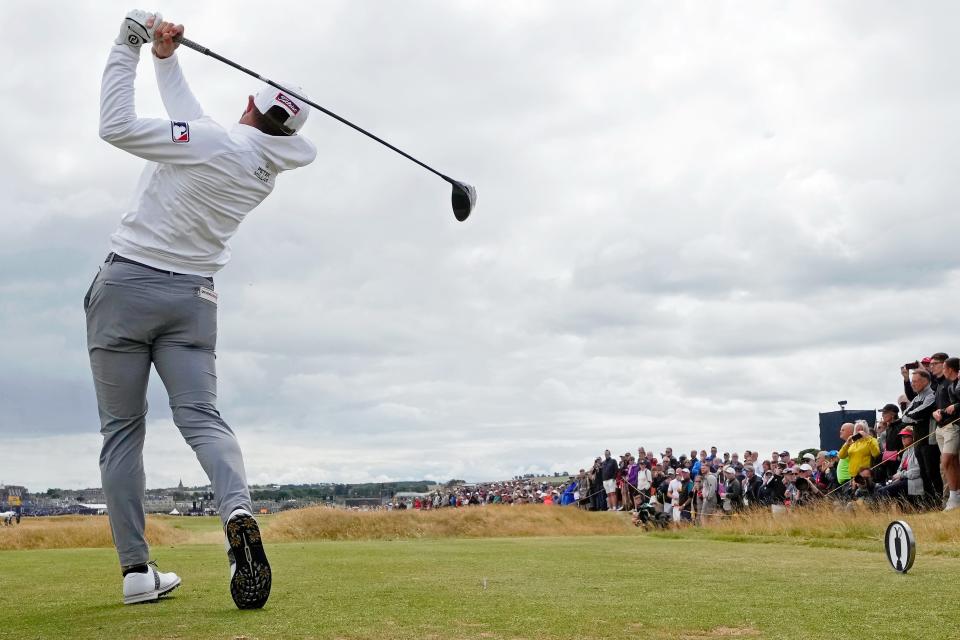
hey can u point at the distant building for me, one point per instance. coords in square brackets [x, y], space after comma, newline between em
[12, 495]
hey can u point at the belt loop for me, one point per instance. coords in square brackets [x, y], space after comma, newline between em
[111, 257]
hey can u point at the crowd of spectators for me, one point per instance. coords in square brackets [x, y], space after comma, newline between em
[910, 456]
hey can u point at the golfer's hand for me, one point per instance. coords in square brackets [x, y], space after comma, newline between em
[165, 39]
[951, 409]
[937, 415]
[138, 28]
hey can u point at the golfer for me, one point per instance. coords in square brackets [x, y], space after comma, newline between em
[154, 302]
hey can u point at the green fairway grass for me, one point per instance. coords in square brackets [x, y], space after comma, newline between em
[576, 587]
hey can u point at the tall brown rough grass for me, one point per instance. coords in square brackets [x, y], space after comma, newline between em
[826, 524]
[71, 532]
[320, 523]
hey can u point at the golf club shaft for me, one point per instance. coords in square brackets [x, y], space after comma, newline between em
[207, 52]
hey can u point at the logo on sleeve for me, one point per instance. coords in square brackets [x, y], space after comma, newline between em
[289, 103]
[180, 131]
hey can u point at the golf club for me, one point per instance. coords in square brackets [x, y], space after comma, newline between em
[464, 196]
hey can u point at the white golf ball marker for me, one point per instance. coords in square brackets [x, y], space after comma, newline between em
[900, 545]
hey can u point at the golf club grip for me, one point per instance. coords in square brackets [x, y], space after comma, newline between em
[193, 45]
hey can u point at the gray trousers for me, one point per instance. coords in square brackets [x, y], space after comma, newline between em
[137, 316]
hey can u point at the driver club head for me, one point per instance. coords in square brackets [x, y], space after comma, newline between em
[463, 198]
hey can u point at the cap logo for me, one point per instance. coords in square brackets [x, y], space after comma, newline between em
[288, 102]
[180, 131]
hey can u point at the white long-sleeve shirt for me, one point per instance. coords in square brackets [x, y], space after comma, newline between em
[201, 179]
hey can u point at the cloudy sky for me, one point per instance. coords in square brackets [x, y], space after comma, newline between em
[698, 223]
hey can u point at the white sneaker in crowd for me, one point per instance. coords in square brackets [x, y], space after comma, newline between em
[250, 576]
[149, 586]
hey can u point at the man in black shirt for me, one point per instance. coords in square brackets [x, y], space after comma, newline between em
[608, 473]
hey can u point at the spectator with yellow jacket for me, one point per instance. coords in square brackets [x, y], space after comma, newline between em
[860, 448]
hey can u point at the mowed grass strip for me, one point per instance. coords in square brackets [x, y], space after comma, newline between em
[538, 588]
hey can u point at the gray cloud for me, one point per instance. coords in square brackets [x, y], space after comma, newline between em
[697, 225]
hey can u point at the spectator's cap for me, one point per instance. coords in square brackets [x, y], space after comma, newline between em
[890, 408]
[925, 361]
[833, 453]
[906, 431]
[685, 470]
[749, 469]
[806, 467]
[768, 473]
[784, 453]
[671, 471]
[729, 470]
[792, 470]
[809, 456]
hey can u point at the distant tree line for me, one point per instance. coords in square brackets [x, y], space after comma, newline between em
[336, 491]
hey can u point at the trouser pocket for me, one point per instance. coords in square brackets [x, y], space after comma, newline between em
[86, 298]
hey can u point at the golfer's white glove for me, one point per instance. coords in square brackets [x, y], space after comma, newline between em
[138, 28]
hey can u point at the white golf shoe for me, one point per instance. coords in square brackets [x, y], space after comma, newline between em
[149, 586]
[250, 575]
[952, 504]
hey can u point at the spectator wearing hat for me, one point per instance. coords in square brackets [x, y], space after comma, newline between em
[919, 415]
[751, 486]
[791, 493]
[860, 448]
[809, 490]
[772, 490]
[661, 484]
[733, 492]
[663, 491]
[907, 483]
[888, 438]
[823, 474]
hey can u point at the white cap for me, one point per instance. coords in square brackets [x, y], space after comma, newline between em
[730, 470]
[297, 110]
[806, 467]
